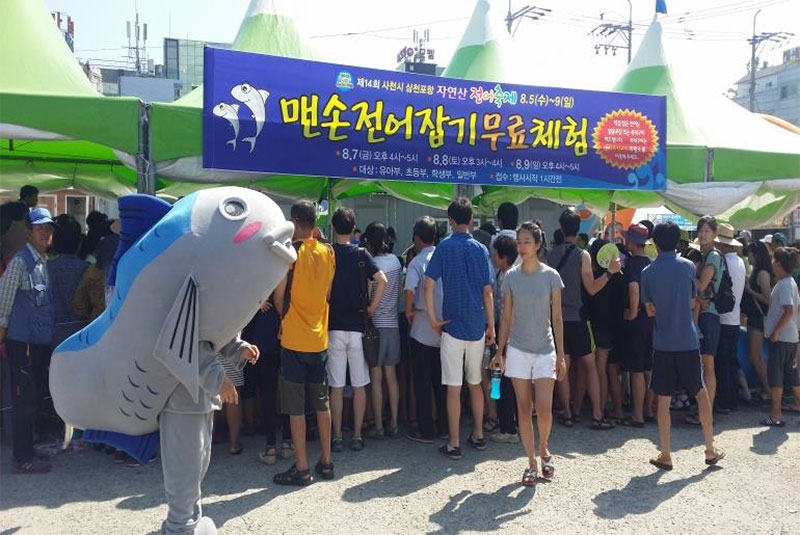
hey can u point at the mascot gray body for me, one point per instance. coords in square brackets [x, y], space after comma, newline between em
[188, 279]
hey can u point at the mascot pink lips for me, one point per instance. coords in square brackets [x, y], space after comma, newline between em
[247, 232]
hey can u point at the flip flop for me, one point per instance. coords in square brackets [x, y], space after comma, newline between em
[769, 422]
[661, 465]
[566, 421]
[786, 407]
[717, 458]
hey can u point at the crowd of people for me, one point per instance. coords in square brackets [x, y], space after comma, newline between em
[358, 342]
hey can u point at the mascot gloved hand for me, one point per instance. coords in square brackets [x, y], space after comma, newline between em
[187, 278]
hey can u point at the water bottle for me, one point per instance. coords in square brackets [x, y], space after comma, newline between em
[496, 375]
[495, 393]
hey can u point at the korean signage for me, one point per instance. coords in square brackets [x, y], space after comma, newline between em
[269, 114]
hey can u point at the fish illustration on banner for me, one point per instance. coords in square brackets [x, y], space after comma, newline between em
[229, 112]
[255, 99]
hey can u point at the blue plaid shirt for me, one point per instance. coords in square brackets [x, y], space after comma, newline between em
[462, 264]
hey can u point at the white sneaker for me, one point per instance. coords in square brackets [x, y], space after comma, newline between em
[505, 438]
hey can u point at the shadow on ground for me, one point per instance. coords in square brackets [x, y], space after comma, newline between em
[482, 511]
[642, 494]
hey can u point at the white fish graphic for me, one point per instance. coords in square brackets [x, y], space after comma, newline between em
[231, 113]
[255, 99]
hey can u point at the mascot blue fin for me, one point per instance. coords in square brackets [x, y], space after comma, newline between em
[140, 447]
[178, 344]
[137, 214]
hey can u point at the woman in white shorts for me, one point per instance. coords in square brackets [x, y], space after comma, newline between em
[527, 352]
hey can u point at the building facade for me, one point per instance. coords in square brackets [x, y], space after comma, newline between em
[183, 61]
[777, 88]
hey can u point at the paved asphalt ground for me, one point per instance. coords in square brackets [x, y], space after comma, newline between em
[603, 483]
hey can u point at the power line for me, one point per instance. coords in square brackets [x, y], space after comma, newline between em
[405, 27]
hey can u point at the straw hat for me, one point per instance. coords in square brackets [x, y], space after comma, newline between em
[725, 234]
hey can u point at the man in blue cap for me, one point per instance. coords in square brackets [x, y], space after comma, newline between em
[27, 318]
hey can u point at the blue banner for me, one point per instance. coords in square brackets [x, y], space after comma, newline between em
[269, 114]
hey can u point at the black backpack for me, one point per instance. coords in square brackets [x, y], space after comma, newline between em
[724, 300]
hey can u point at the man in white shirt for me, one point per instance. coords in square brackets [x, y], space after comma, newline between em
[725, 362]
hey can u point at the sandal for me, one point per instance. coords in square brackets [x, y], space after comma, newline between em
[566, 421]
[293, 476]
[692, 419]
[237, 451]
[769, 422]
[661, 465]
[718, 456]
[324, 470]
[786, 407]
[357, 444]
[548, 468]
[337, 444]
[490, 424]
[601, 424]
[630, 422]
[287, 449]
[269, 456]
[529, 477]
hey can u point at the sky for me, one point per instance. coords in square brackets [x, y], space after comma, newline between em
[556, 50]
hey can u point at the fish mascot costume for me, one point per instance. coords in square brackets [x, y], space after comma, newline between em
[186, 279]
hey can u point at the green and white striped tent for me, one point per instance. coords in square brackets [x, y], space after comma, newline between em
[56, 130]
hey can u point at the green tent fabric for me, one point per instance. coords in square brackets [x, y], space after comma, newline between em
[55, 129]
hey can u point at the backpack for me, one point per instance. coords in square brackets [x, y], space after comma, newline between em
[724, 300]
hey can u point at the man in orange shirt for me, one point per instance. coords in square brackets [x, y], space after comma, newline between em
[303, 299]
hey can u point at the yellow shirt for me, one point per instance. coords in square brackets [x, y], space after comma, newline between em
[305, 327]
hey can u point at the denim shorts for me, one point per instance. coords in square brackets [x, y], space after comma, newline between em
[709, 327]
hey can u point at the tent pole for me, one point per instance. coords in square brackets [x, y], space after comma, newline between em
[708, 176]
[145, 174]
[613, 236]
[329, 217]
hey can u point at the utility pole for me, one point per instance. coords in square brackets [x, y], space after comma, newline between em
[630, 30]
[755, 41]
[528, 12]
[753, 65]
[610, 30]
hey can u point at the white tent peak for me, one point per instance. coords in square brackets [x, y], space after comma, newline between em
[482, 27]
[651, 50]
[267, 7]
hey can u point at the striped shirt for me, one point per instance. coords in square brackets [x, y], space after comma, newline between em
[386, 313]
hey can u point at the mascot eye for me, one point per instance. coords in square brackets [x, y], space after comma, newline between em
[234, 208]
[245, 88]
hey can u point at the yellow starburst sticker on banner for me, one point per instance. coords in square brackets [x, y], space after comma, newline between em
[625, 139]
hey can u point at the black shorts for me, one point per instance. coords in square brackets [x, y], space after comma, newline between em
[637, 355]
[782, 365]
[577, 339]
[755, 322]
[603, 335]
[304, 377]
[671, 368]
